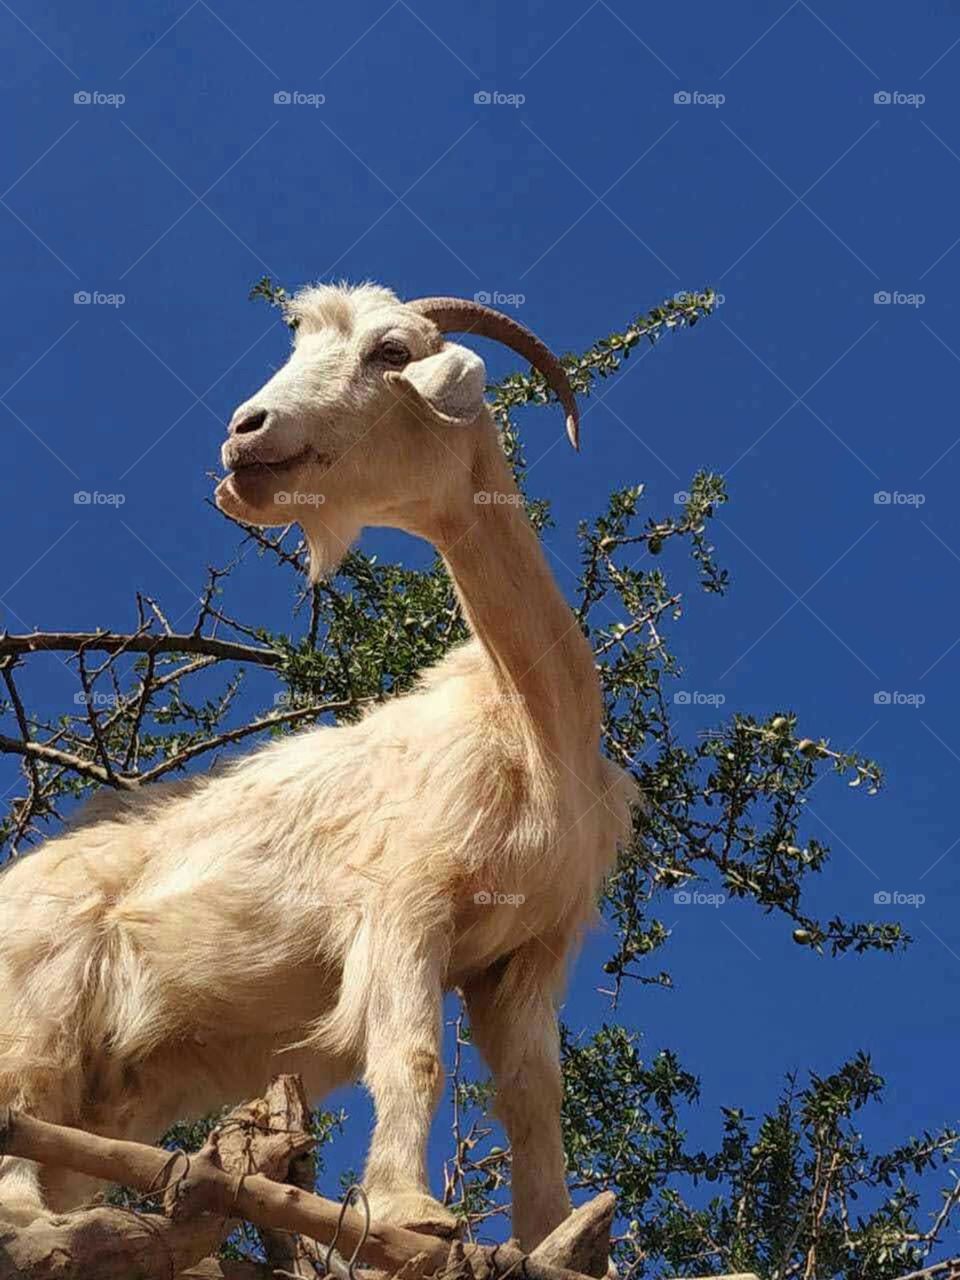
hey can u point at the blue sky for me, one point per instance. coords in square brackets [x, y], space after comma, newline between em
[782, 181]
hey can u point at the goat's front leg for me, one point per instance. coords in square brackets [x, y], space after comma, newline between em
[30, 1192]
[404, 1074]
[514, 1025]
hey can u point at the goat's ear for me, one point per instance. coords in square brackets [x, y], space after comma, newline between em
[450, 383]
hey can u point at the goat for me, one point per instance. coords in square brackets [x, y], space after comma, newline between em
[306, 907]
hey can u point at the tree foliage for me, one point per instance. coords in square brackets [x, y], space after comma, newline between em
[792, 1193]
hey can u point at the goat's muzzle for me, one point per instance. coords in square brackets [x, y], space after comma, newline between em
[244, 421]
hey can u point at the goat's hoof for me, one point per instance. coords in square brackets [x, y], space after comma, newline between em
[414, 1211]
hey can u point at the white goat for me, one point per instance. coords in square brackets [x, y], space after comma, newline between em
[306, 908]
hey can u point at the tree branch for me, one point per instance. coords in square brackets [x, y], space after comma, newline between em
[39, 751]
[202, 1193]
[112, 642]
[115, 1243]
[243, 731]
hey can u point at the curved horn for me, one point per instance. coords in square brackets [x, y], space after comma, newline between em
[457, 315]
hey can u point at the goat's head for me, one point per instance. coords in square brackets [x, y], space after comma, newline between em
[370, 418]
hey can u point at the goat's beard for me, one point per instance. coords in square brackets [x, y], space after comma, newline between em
[328, 531]
[329, 536]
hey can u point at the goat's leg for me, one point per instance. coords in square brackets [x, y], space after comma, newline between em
[514, 1025]
[23, 1183]
[21, 1196]
[405, 1076]
[29, 1191]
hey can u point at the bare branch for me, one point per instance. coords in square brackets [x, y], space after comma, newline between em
[244, 731]
[95, 772]
[111, 642]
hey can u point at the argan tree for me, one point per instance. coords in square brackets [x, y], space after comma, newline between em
[793, 1193]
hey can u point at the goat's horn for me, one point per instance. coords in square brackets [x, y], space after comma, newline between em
[457, 315]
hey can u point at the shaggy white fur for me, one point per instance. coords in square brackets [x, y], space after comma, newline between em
[305, 908]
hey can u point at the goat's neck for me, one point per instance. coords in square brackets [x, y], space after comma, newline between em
[534, 645]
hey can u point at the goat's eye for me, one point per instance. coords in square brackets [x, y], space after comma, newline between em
[392, 353]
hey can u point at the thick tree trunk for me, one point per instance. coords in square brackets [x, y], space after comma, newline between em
[284, 1250]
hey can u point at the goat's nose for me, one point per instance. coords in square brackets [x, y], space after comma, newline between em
[244, 422]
